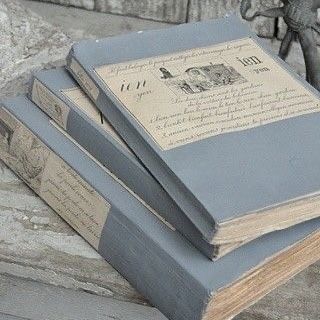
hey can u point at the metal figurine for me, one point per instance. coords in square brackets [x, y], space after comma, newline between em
[301, 19]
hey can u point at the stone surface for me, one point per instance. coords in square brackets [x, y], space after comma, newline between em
[86, 4]
[98, 25]
[4, 316]
[27, 43]
[160, 10]
[178, 11]
[37, 301]
[40, 252]
[208, 9]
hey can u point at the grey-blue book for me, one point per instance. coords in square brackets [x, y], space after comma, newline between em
[58, 94]
[154, 258]
[224, 125]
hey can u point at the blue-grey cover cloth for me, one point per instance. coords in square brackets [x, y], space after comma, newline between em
[219, 178]
[156, 260]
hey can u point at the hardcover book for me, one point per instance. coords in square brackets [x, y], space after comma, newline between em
[156, 259]
[58, 95]
[225, 126]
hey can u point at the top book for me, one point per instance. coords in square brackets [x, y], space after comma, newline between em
[226, 127]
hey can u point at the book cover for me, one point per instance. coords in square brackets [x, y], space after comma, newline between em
[155, 259]
[225, 126]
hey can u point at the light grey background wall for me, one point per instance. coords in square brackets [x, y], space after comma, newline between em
[179, 11]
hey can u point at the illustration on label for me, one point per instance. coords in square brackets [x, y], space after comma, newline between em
[203, 78]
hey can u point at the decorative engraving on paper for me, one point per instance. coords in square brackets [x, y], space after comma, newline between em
[84, 79]
[53, 179]
[50, 103]
[82, 101]
[189, 96]
[202, 78]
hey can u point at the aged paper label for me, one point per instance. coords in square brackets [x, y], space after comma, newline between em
[52, 179]
[82, 101]
[50, 103]
[192, 95]
[84, 79]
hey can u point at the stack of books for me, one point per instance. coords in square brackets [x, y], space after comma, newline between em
[187, 157]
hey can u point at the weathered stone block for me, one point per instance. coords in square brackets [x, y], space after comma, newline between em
[27, 43]
[86, 4]
[210, 9]
[160, 10]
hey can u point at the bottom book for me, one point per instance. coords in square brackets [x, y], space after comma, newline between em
[155, 259]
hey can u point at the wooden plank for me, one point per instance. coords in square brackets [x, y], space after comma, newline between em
[211, 9]
[160, 10]
[4, 316]
[98, 24]
[85, 4]
[27, 299]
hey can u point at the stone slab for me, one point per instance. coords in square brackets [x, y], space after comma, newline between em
[38, 301]
[210, 9]
[4, 316]
[161, 10]
[27, 43]
[85, 4]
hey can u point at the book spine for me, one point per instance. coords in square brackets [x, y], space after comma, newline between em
[48, 175]
[118, 160]
[141, 260]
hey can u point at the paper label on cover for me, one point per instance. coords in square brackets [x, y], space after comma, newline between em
[50, 103]
[84, 79]
[188, 96]
[52, 179]
[82, 101]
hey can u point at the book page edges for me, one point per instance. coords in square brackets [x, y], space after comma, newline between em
[270, 219]
[255, 284]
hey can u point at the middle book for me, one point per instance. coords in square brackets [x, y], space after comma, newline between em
[58, 95]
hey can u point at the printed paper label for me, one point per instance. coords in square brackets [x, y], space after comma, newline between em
[192, 95]
[84, 79]
[52, 179]
[82, 101]
[50, 103]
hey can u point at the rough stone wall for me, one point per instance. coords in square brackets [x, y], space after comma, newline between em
[178, 11]
[161, 10]
[209, 9]
[27, 43]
